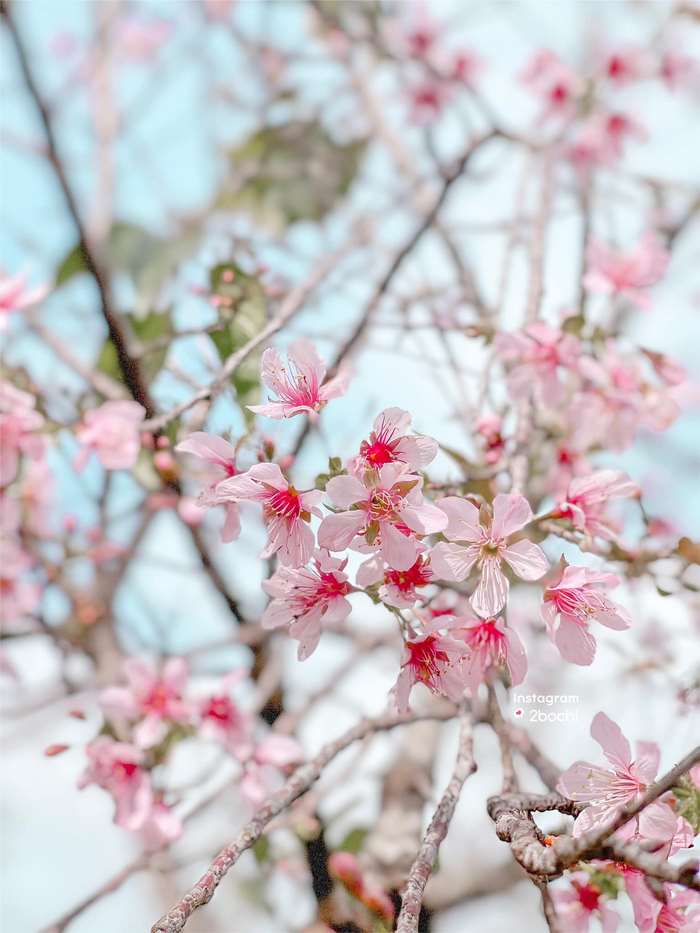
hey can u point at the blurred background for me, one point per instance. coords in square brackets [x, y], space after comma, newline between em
[271, 135]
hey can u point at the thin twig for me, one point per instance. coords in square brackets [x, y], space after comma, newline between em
[302, 779]
[422, 867]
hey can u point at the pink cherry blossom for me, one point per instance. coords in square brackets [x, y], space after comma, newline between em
[577, 905]
[587, 497]
[112, 431]
[625, 65]
[387, 510]
[139, 39]
[486, 546]
[286, 511]
[492, 644]
[220, 458]
[307, 597]
[15, 296]
[555, 83]
[600, 141]
[678, 70]
[19, 424]
[152, 699]
[678, 912]
[539, 356]
[432, 659]
[627, 273]
[390, 443]
[605, 790]
[161, 827]
[625, 392]
[225, 721]
[264, 771]
[117, 768]
[300, 385]
[19, 596]
[398, 588]
[489, 428]
[572, 603]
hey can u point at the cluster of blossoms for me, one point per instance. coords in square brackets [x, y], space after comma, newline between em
[146, 719]
[659, 828]
[379, 509]
[583, 106]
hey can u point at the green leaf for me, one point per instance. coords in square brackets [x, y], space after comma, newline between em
[688, 801]
[73, 264]
[291, 172]
[261, 850]
[154, 325]
[148, 259]
[354, 840]
[242, 308]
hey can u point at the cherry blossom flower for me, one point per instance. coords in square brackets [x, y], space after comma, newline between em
[220, 458]
[492, 644]
[151, 697]
[625, 65]
[677, 69]
[398, 588]
[116, 767]
[15, 296]
[286, 511]
[577, 905]
[269, 761]
[428, 99]
[628, 273]
[600, 141]
[225, 721]
[19, 597]
[620, 396]
[432, 659]
[486, 546]
[538, 355]
[490, 427]
[307, 597]
[300, 385]
[587, 498]
[138, 39]
[605, 790]
[389, 443]
[112, 432]
[572, 603]
[19, 424]
[387, 510]
[555, 83]
[161, 826]
[678, 912]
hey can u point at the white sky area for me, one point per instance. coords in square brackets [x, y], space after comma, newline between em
[58, 844]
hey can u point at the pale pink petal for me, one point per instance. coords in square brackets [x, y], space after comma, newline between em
[209, 447]
[463, 519]
[510, 513]
[517, 658]
[574, 642]
[452, 562]
[491, 591]
[337, 531]
[345, 491]
[398, 550]
[527, 559]
[609, 736]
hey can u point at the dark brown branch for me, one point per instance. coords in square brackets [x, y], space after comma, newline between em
[128, 366]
